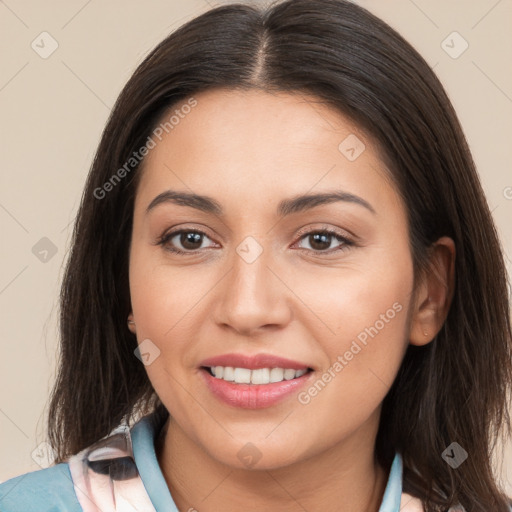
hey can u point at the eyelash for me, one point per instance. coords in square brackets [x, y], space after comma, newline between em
[346, 243]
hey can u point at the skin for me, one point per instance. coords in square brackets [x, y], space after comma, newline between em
[250, 150]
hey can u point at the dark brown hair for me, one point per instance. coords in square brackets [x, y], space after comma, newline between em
[453, 389]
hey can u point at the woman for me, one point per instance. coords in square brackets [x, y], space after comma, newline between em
[285, 273]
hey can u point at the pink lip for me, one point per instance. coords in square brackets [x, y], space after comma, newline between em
[253, 362]
[252, 396]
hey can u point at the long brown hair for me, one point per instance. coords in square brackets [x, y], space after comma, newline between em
[455, 389]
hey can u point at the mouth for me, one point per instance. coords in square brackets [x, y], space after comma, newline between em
[253, 381]
[254, 388]
[255, 377]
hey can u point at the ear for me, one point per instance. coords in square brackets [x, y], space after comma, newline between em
[434, 293]
[131, 323]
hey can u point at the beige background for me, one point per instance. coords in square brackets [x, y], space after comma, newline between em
[53, 111]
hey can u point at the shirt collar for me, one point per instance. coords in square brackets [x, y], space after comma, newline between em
[393, 492]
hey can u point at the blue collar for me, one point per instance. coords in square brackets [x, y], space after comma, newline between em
[143, 436]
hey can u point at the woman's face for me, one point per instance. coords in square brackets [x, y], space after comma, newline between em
[261, 285]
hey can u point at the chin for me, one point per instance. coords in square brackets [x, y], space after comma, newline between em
[256, 453]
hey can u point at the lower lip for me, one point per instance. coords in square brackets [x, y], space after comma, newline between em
[253, 396]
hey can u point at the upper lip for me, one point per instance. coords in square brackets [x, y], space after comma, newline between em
[253, 362]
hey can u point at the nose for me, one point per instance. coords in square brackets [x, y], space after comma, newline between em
[253, 296]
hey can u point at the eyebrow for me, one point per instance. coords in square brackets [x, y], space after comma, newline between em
[286, 207]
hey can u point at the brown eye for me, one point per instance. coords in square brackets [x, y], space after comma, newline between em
[190, 240]
[183, 241]
[320, 241]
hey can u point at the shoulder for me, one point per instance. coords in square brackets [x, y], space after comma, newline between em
[409, 503]
[107, 466]
[49, 489]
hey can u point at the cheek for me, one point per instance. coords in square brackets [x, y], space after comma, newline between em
[364, 291]
[361, 323]
[166, 302]
[361, 364]
[162, 303]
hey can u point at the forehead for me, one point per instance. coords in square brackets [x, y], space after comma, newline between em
[249, 145]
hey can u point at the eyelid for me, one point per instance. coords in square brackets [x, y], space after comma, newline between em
[342, 233]
[171, 233]
[178, 228]
[347, 241]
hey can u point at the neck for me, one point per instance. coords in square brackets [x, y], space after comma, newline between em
[344, 478]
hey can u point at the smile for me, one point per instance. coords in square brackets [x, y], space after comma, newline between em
[257, 376]
[253, 389]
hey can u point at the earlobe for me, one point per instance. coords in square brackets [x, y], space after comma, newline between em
[131, 323]
[434, 294]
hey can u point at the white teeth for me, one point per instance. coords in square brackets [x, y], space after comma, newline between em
[229, 374]
[242, 375]
[258, 376]
[289, 374]
[276, 375]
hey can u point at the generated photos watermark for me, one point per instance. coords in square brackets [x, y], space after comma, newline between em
[305, 397]
[137, 156]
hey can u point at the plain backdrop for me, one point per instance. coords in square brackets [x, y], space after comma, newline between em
[53, 107]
